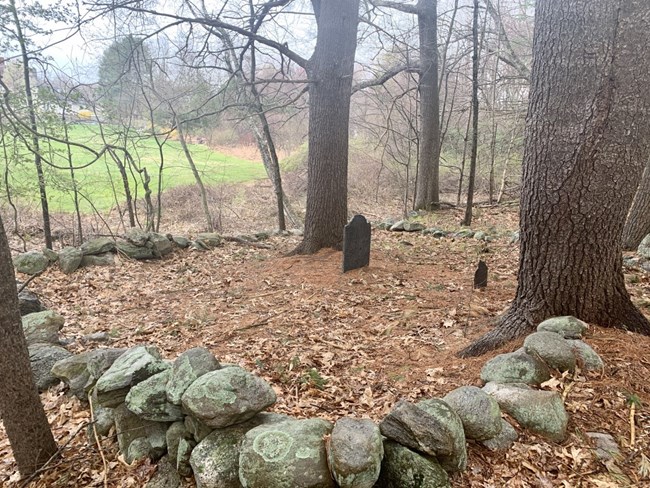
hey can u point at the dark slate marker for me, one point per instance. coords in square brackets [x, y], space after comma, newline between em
[481, 275]
[356, 244]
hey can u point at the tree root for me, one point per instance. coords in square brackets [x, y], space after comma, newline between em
[510, 326]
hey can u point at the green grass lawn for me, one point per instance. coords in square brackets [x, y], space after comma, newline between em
[101, 181]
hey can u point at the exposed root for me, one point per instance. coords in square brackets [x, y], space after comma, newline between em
[510, 326]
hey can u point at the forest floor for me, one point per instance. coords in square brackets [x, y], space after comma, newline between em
[334, 344]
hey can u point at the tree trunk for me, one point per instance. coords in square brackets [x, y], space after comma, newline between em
[20, 406]
[588, 137]
[330, 72]
[637, 225]
[428, 194]
[473, 155]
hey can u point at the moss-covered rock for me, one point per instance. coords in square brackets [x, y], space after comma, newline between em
[31, 263]
[567, 326]
[404, 468]
[42, 327]
[515, 367]
[148, 399]
[187, 368]
[479, 412]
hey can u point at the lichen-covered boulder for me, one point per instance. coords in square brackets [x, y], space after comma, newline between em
[289, 454]
[449, 419]
[41, 359]
[504, 439]
[180, 241]
[107, 259]
[187, 368]
[354, 452]
[148, 399]
[551, 348]
[132, 367]
[179, 441]
[417, 429]
[166, 475]
[567, 326]
[215, 460]
[73, 371]
[70, 259]
[139, 438]
[542, 412]
[479, 412]
[137, 237]
[31, 262]
[42, 327]
[135, 252]
[589, 359]
[413, 226]
[209, 239]
[100, 245]
[227, 396]
[515, 367]
[104, 421]
[404, 468]
[160, 245]
[197, 428]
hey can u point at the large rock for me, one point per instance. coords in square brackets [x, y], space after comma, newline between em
[542, 412]
[515, 367]
[552, 348]
[137, 237]
[42, 327]
[31, 262]
[589, 359]
[74, 370]
[187, 368]
[403, 468]
[449, 419]
[139, 438]
[504, 440]
[70, 259]
[227, 396]
[148, 399]
[644, 248]
[567, 326]
[215, 460]
[160, 245]
[132, 367]
[479, 412]
[413, 226]
[107, 259]
[354, 452]
[197, 428]
[100, 245]
[135, 252]
[290, 454]
[416, 428]
[28, 302]
[41, 358]
[166, 475]
[209, 239]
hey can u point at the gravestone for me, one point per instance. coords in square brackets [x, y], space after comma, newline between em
[356, 244]
[481, 275]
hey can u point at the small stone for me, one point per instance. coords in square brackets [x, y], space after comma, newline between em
[479, 412]
[188, 367]
[567, 326]
[589, 359]
[104, 420]
[31, 263]
[42, 327]
[480, 235]
[179, 439]
[503, 440]
[403, 468]
[355, 451]
[70, 259]
[515, 367]
[552, 349]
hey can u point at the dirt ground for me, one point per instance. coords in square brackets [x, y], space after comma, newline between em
[334, 344]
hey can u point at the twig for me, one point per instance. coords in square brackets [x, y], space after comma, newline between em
[99, 444]
[54, 456]
[29, 280]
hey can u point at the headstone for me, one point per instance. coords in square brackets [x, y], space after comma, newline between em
[481, 275]
[356, 244]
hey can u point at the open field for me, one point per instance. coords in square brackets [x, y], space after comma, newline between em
[101, 182]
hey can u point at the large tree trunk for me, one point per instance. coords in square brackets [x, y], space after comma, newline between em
[20, 406]
[637, 225]
[330, 73]
[428, 195]
[588, 137]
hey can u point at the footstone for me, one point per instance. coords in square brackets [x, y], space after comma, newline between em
[290, 454]
[42, 327]
[148, 399]
[504, 439]
[479, 412]
[567, 326]
[515, 367]
[403, 468]
[227, 396]
[356, 244]
[187, 368]
[551, 348]
[355, 451]
[589, 359]
[481, 275]
[542, 412]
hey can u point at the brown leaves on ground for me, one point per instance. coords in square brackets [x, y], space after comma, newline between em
[334, 344]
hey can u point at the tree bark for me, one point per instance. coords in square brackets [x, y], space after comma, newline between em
[427, 192]
[20, 406]
[330, 73]
[588, 137]
[637, 225]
